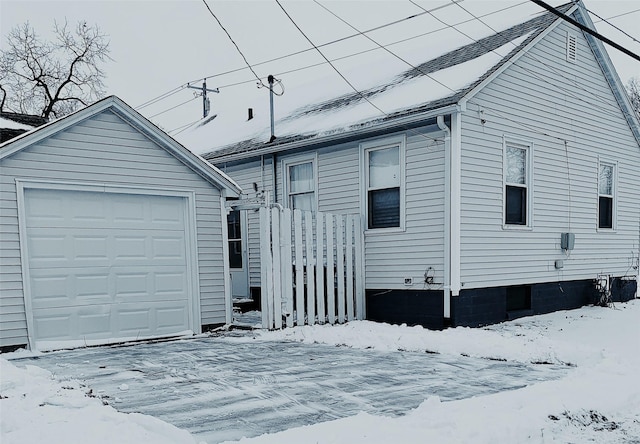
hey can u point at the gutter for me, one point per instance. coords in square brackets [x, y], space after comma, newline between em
[400, 123]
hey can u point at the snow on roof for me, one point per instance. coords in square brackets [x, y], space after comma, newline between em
[11, 124]
[456, 50]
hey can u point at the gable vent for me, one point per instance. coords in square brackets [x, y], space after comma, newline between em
[572, 48]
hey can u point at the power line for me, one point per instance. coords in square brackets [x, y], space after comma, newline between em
[586, 29]
[621, 15]
[614, 26]
[175, 90]
[328, 61]
[234, 44]
[173, 107]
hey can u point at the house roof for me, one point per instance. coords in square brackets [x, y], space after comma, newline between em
[116, 105]
[452, 71]
[24, 121]
[445, 71]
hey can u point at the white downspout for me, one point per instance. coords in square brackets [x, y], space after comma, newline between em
[447, 216]
[453, 159]
[456, 184]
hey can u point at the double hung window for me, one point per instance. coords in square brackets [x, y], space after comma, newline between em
[517, 183]
[606, 179]
[301, 185]
[384, 199]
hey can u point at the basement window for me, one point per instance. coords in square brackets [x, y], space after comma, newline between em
[518, 298]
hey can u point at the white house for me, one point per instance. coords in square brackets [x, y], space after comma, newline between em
[110, 231]
[498, 176]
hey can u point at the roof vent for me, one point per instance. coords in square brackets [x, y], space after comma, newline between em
[572, 48]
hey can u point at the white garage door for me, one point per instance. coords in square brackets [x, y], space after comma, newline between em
[105, 267]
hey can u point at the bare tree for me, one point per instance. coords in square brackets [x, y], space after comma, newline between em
[54, 78]
[633, 89]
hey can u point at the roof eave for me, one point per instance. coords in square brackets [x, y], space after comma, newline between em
[197, 163]
[399, 123]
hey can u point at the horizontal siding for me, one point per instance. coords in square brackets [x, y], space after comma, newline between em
[104, 149]
[544, 100]
[390, 257]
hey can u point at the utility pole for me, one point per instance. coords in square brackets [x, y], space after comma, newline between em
[206, 104]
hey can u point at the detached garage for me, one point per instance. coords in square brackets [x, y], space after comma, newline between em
[109, 231]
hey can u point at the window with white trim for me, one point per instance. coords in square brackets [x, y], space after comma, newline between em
[606, 189]
[383, 186]
[301, 185]
[517, 172]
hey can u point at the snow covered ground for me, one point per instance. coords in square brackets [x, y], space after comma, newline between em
[598, 400]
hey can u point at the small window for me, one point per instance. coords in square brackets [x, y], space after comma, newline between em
[516, 179]
[383, 180]
[605, 196]
[519, 298]
[301, 185]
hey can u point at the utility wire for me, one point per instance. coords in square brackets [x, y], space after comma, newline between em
[621, 15]
[614, 26]
[383, 46]
[234, 44]
[175, 90]
[173, 107]
[586, 29]
[327, 60]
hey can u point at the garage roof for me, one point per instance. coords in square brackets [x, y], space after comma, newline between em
[119, 107]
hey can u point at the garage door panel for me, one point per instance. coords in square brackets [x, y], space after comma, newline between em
[106, 266]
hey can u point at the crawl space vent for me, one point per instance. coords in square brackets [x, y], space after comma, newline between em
[572, 48]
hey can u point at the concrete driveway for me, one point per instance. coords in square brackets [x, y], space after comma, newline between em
[223, 388]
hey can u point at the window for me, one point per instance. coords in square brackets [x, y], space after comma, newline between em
[301, 185]
[235, 239]
[519, 298]
[383, 182]
[605, 196]
[516, 180]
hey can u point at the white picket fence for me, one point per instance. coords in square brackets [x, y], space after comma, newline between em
[312, 268]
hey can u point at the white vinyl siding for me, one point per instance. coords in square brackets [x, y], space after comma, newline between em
[543, 99]
[105, 149]
[391, 254]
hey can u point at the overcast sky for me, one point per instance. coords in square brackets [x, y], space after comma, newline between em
[159, 46]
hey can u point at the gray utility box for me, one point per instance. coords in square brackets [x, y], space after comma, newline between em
[567, 241]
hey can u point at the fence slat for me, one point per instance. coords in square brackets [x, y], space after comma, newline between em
[359, 266]
[299, 259]
[331, 298]
[277, 266]
[320, 267]
[265, 261]
[340, 267]
[286, 271]
[310, 266]
[349, 262]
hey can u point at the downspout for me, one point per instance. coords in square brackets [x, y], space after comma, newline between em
[447, 216]
[452, 207]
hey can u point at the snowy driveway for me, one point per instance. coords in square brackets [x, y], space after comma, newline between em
[224, 388]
